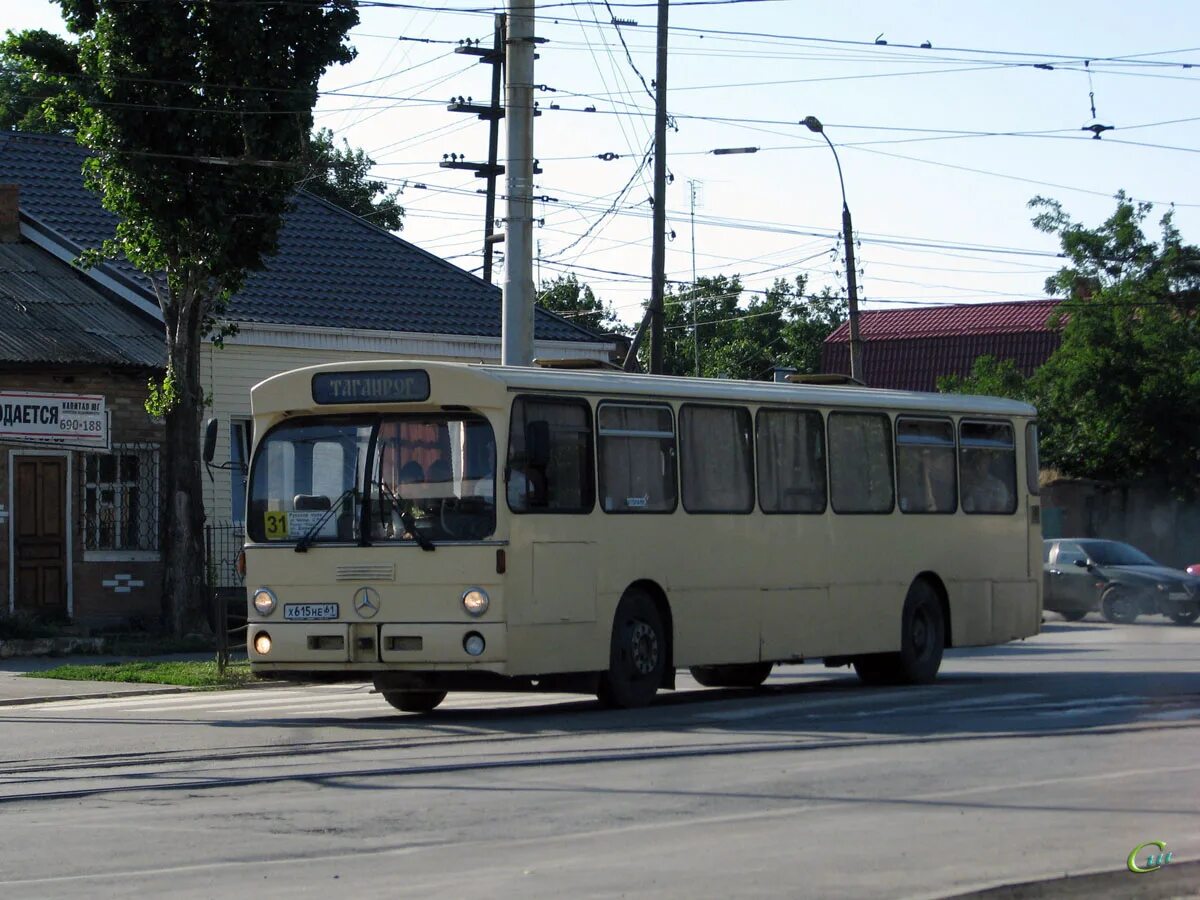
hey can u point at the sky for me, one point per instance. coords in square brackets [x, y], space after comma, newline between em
[941, 147]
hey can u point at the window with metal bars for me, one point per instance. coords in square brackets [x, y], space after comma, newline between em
[120, 498]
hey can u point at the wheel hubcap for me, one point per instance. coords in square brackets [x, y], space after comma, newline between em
[645, 648]
[920, 633]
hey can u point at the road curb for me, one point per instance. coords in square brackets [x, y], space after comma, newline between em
[149, 691]
[102, 695]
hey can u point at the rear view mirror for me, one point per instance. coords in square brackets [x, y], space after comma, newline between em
[210, 440]
[1083, 564]
[537, 443]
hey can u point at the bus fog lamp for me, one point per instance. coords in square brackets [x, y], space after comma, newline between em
[264, 601]
[473, 643]
[262, 643]
[475, 601]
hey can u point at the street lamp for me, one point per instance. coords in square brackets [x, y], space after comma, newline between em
[812, 123]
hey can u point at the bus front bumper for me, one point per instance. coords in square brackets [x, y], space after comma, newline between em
[368, 645]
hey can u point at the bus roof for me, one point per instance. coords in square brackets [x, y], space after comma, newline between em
[278, 392]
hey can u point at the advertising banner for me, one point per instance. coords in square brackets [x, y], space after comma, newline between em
[34, 417]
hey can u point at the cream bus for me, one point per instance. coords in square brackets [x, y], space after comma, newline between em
[436, 527]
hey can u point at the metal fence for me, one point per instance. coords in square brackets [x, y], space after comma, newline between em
[222, 544]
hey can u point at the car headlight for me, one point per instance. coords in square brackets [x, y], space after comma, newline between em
[475, 601]
[264, 601]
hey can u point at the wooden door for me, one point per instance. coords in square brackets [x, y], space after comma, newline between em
[40, 535]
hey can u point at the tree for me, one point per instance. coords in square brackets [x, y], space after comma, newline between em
[1120, 398]
[197, 114]
[340, 175]
[569, 298]
[35, 95]
[733, 338]
[38, 75]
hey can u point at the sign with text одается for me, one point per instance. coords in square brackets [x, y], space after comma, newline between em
[35, 417]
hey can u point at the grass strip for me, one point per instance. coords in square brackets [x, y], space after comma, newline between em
[184, 674]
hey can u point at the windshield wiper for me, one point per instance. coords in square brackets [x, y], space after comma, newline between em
[305, 542]
[406, 518]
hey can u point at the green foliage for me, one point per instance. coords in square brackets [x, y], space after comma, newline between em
[162, 396]
[572, 300]
[1123, 391]
[989, 377]
[340, 175]
[185, 674]
[745, 339]
[37, 72]
[1120, 399]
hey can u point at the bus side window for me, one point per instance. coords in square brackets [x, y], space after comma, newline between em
[987, 462]
[637, 457]
[549, 465]
[716, 459]
[860, 463]
[791, 461]
[925, 472]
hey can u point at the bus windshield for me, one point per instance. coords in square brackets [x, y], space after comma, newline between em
[374, 479]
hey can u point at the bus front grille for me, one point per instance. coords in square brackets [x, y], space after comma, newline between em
[367, 572]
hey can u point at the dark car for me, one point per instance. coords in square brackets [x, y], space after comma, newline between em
[1083, 574]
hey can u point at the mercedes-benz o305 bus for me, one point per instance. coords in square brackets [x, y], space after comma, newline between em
[436, 527]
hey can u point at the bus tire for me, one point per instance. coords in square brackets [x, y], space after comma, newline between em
[748, 675]
[414, 701]
[638, 653]
[922, 640]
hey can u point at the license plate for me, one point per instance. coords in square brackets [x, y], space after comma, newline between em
[1179, 596]
[310, 612]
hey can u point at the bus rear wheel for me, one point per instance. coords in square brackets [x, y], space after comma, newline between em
[414, 701]
[922, 640]
[637, 653]
[749, 675]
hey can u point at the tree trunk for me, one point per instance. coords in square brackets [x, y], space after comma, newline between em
[184, 589]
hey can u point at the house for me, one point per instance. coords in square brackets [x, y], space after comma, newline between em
[909, 349]
[338, 288]
[79, 456]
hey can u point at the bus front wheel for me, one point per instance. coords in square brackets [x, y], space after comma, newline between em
[414, 701]
[922, 639]
[637, 653]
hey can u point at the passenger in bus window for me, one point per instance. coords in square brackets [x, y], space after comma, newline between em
[410, 473]
[983, 491]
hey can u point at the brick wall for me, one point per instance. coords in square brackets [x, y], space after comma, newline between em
[104, 589]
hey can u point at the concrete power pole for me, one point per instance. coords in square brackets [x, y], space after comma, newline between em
[516, 340]
[658, 253]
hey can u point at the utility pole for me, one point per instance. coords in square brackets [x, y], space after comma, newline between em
[493, 113]
[658, 254]
[856, 360]
[516, 330]
[695, 313]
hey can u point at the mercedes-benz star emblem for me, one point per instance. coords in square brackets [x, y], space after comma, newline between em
[366, 602]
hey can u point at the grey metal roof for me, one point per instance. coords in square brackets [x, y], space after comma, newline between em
[333, 269]
[50, 313]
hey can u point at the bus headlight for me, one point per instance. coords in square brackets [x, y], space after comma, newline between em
[475, 601]
[262, 643]
[264, 601]
[473, 643]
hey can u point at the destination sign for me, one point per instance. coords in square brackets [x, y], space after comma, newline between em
[409, 386]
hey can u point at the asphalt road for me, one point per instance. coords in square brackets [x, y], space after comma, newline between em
[1051, 757]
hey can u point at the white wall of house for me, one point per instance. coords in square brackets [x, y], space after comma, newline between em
[257, 352]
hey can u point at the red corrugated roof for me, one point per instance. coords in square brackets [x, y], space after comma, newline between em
[1018, 317]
